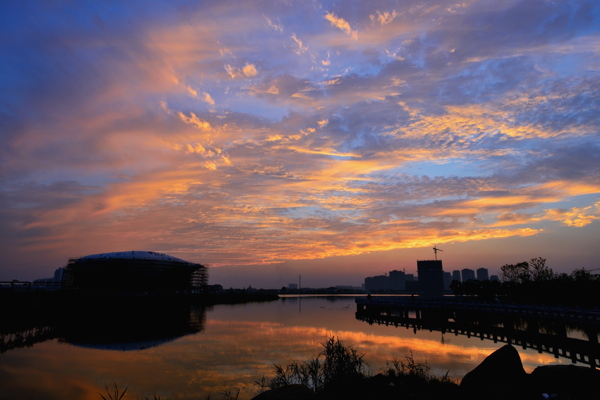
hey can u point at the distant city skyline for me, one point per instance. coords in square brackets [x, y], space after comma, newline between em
[431, 280]
[332, 139]
[275, 276]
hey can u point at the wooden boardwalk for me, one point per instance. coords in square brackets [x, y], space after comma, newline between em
[542, 328]
[380, 304]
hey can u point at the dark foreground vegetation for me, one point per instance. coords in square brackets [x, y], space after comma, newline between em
[338, 372]
[533, 282]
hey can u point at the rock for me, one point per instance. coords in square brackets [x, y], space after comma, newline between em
[289, 392]
[566, 381]
[499, 376]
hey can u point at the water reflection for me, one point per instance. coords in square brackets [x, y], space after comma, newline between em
[577, 342]
[234, 346]
[131, 327]
[112, 324]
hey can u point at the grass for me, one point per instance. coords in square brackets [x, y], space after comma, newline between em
[228, 394]
[118, 395]
[413, 370]
[115, 394]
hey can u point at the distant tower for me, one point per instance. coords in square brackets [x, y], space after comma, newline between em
[456, 275]
[397, 280]
[447, 280]
[431, 278]
[482, 274]
[467, 274]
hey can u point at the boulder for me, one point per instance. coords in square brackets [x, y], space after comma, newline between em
[499, 376]
[566, 381]
[289, 392]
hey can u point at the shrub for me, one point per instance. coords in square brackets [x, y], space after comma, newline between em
[335, 364]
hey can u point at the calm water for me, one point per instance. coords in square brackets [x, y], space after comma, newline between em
[224, 347]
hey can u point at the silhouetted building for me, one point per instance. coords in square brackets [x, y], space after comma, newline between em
[395, 282]
[134, 272]
[398, 280]
[467, 274]
[482, 274]
[447, 280]
[377, 283]
[431, 278]
[494, 278]
[57, 282]
[456, 275]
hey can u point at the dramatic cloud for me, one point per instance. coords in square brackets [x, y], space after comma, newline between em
[243, 134]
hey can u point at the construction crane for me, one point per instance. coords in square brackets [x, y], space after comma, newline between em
[435, 250]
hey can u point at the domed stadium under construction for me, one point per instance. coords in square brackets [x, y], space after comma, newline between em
[134, 272]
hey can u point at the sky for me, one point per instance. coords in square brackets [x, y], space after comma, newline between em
[331, 140]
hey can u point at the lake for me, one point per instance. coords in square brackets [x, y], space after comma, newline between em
[206, 351]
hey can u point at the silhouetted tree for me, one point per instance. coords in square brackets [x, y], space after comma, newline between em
[539, 271]
[583, 275]
[516, 273]
[534, 282]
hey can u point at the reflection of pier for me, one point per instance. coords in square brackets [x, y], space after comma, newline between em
[545, 329]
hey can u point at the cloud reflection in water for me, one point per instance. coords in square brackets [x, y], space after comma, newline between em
[238, 345]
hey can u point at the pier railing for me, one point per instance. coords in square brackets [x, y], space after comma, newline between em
[565, 314]
[546, 329]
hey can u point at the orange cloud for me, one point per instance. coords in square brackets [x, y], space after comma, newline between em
[341, 24]
[507, 219]
[571, 188]
[247, 71]
[195, 121]
[300, 48]
[383, 18]
[206, 97]
[575, 217]
[471, 121]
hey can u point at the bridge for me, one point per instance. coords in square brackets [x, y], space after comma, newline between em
[546, 329]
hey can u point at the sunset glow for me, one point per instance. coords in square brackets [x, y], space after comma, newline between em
[249, 134]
